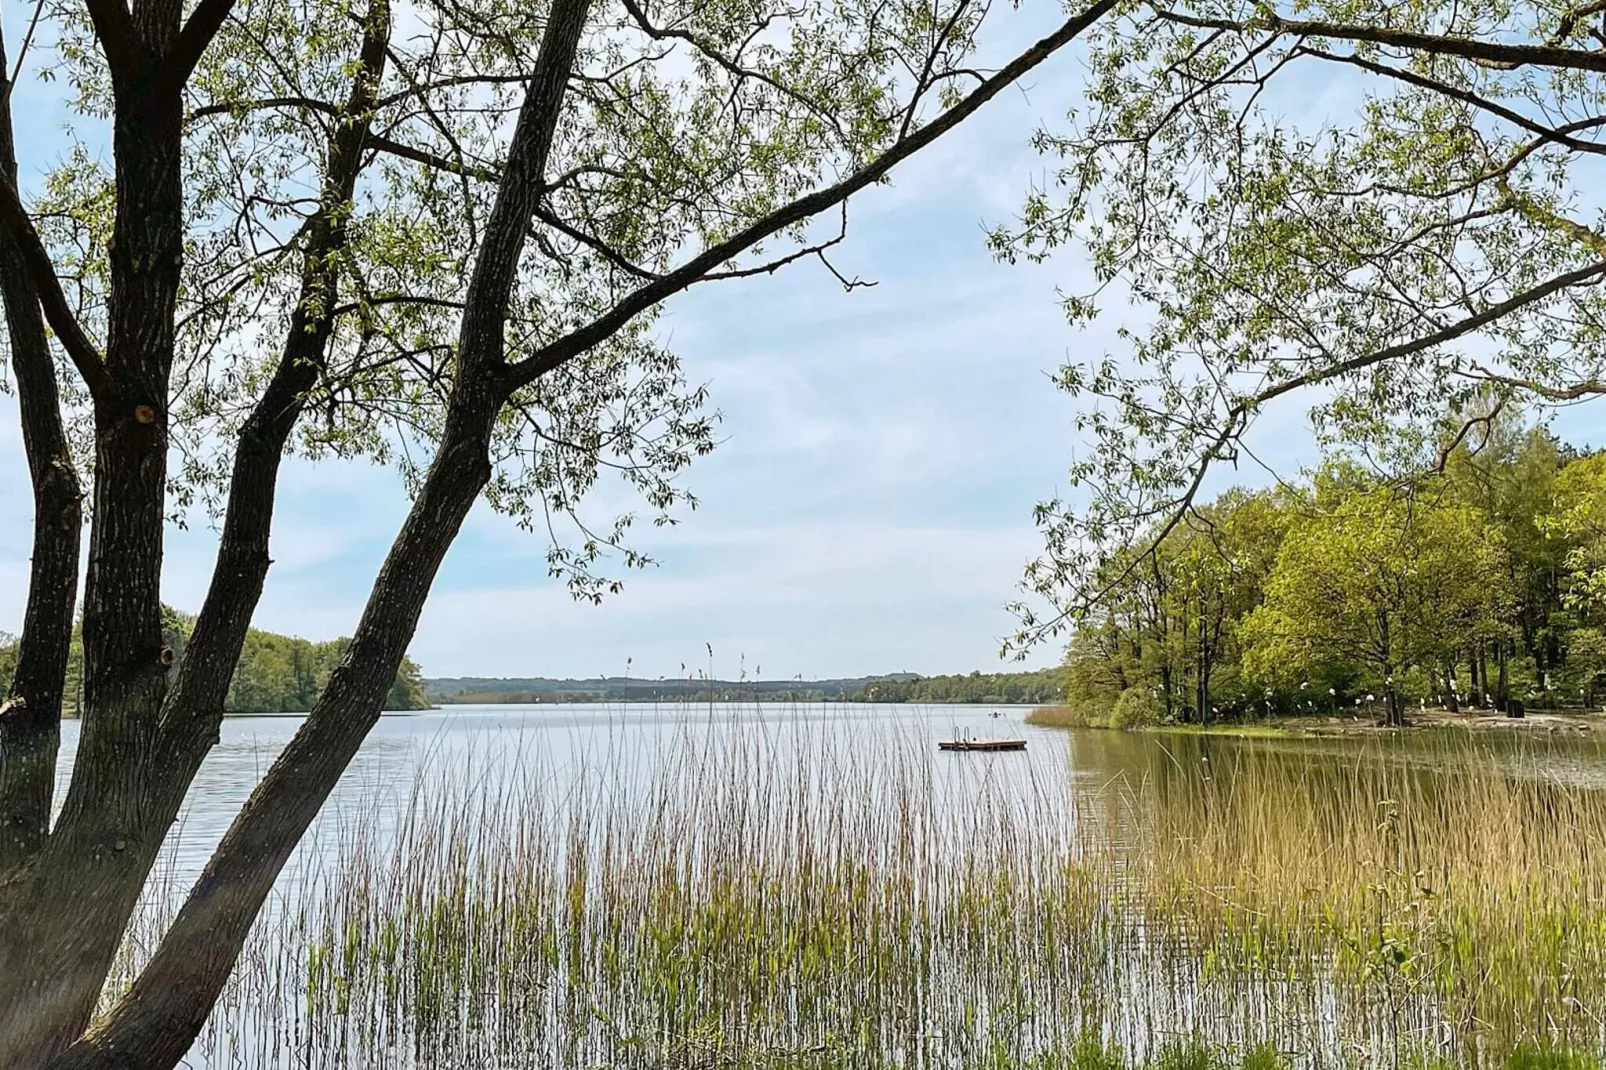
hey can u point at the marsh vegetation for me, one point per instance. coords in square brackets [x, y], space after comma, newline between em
[781, 894]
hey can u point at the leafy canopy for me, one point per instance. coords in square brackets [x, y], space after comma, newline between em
[1384, 208]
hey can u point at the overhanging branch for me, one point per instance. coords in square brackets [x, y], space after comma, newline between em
[1492, 53]
[1236, 419]
[564, 349]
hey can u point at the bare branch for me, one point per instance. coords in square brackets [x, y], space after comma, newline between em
[22, 54]
[239, 107]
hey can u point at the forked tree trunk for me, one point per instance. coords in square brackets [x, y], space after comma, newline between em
[141, 740]
[154, 1024]
[75, 899]
[139, 754]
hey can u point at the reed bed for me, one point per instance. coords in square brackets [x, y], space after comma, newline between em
[782, 898]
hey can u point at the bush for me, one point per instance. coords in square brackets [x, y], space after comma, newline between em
[1135, 708]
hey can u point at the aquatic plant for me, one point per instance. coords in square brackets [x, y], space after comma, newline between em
[774, 896]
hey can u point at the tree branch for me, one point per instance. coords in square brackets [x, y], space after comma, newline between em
[1575, 392]
[58, 312]
[379, 143]
[566, 348]
[482, 341]
[179, 63]
[31, 728]
[1486, 52]
[126, 54]
[1546, 134]
[1236, 419]
[22, 55]
[308, 103]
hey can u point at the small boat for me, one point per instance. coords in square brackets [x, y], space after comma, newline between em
[981, 744]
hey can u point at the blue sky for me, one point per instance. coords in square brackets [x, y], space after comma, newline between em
[869, 508]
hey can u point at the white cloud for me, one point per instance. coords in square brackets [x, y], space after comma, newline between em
[821, 599]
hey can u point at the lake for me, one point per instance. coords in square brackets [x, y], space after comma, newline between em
[694, 885]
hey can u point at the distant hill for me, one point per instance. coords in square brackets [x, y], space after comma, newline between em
[1028, 687]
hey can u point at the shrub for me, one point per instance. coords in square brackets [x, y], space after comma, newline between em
[1135, 708]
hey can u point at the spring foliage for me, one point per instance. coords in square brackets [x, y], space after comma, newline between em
[1476, 585]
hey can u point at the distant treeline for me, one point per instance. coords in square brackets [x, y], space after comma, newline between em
[1029, 687]
[1044, 685]
[276, 673]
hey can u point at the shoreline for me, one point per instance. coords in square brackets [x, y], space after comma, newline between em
[1420, 720]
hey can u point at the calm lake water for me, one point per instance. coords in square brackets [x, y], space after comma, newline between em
[627, 744]
[610, 743]
[685, 885]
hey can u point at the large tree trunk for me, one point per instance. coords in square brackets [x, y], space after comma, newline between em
[154, 1024]
[140, 753]
[75, 900]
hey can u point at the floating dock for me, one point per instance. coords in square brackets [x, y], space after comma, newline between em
[982, 744]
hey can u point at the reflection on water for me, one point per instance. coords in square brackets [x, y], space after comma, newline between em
[665, 885]
[634, 740]
[570, 742]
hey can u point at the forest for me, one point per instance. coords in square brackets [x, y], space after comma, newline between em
[1481, 585]
[276, 673]
[1043, 685]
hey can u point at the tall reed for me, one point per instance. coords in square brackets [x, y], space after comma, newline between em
[776, 896]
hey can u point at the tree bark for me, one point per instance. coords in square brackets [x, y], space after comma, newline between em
[156, 1021]
[193, 711]
[75, 899]
[161, 754]
[30, 724]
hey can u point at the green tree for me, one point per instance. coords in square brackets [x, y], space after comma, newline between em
[1384, 583]
[1170, 630]
[1576, 520]
[1424, 246]
[437, 238]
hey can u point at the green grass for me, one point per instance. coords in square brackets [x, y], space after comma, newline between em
[1093, 1053]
